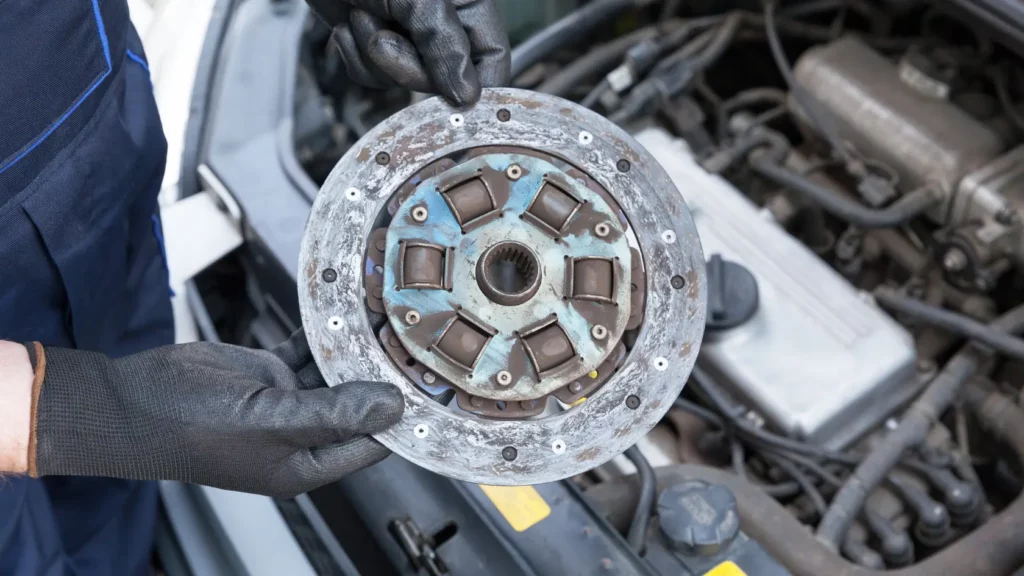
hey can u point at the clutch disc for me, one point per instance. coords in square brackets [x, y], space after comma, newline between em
[523, 270]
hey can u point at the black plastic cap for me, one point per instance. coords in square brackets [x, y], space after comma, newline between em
[732, 294]
[697, 518]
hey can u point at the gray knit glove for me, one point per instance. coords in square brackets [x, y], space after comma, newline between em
[451, 47]
[212, 414]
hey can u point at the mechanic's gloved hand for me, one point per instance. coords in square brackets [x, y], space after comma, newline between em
[451, 47]
[202, 413]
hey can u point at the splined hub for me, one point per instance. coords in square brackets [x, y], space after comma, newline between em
[523, 271]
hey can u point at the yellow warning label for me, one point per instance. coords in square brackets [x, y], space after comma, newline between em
[522, 506]
[727, 568]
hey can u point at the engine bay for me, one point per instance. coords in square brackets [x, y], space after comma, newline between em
[855, 171]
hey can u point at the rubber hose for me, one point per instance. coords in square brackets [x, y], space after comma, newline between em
[911, 432]
[597, 61]
[906, 208]
[637, 534]
[952, 321]
[566, 31]
[996, 547]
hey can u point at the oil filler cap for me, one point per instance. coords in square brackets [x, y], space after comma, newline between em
[698, 518]
[732, 294]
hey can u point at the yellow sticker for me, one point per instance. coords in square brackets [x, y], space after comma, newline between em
[580, 401]
[727, 568]
[522, 506]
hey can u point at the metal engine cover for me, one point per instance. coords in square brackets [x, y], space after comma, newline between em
[595, 241]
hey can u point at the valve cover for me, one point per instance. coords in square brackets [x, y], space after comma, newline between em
[524, 271]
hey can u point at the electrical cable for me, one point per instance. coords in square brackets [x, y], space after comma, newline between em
[802, 98]
[566, 31]
[599, 60]
[790, 469]
[637, 535]
[903, 210]
[954, 322]
[999, 82]
[910, 433]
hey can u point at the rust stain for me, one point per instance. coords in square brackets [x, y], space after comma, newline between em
[326, 353]
[588, 454]
[685, 350]
[364, 154]
[694, 286]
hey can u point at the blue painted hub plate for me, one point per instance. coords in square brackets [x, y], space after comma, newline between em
[556, 223]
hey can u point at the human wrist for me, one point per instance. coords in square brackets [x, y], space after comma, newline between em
[16, 383]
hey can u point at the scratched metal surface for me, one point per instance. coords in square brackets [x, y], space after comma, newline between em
[443, 229]
[460, 445]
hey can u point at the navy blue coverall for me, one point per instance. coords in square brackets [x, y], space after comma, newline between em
[81, 161]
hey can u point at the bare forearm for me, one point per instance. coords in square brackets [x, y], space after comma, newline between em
[15, 407]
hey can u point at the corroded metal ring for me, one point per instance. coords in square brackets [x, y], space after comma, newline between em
[453, 442]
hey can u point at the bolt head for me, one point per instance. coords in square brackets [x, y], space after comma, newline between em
[429, 377]
[330, 275]
[632, 402]
[509, 453]
[623, 165]
[383, 158]
[504, 115]
[514, 172]
[599, 332]
[954, 260]
[678, 282]
[412, 317]
[601, 230]
[575, 387]
[476, 401]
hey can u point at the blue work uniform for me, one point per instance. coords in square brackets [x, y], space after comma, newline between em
[82, 157]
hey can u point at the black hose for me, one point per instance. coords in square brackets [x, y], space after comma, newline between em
[567, 31]
[637, 535]
[999, 82]
[757, 435]
[905, 209]
[996, 547]
[819, 122]
[790, 469]
[595, 95]
[599, 60]
[957, 323]
[911, 432]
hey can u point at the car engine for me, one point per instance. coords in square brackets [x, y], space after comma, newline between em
[855, 172]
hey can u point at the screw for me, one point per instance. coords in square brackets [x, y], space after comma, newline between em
[330, 275]
[504, 115]
[575, 387]
[476, 401]
[955, 260]
[509, 453]
[602, 230]
[514, 172]
[632, 402]
[378, 269]
[599, 332]
[504, 378]
[420, 213]
[412, 317]
[429, 377]
[623, 165]
[383, 158]
[678, 282]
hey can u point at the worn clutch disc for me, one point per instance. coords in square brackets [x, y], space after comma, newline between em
[523, 270]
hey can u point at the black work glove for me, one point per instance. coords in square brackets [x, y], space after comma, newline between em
[212, 414]
[451, 47]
